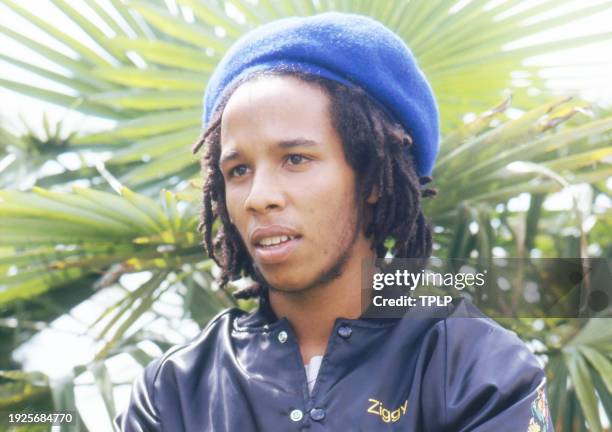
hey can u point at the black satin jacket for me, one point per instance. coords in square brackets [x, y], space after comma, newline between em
[245, 373]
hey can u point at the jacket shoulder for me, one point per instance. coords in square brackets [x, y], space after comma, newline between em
[490, 374]
[193, 351]
[163, 375]
[479, 338]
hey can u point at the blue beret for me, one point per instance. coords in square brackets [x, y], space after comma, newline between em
[347, 48]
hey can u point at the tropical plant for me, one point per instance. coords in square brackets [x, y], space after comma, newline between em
[146, 67]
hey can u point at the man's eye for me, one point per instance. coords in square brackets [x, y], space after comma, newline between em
[238, 171]
[296, 159]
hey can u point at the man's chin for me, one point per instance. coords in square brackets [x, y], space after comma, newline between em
[287, 285]
[299, 283]
[297, 280]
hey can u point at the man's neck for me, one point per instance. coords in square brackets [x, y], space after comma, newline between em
[312, 312]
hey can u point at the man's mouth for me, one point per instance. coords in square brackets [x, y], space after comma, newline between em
[275, 250]
[274, 243]
[269, 242]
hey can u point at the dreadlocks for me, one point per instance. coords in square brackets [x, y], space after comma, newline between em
[377, 149]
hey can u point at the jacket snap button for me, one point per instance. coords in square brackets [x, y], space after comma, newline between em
[282, 337]
[317, 414]
[296, 415]
[345, 331]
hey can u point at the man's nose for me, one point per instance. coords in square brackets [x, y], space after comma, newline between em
[266, 192]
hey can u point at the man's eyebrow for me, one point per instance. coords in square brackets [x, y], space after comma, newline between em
[231, 155]
[288, 144]
[298, 142]
[228, 156]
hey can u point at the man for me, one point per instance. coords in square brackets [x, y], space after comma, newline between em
[319, 134]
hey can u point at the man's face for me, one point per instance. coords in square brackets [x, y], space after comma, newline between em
[288, 187]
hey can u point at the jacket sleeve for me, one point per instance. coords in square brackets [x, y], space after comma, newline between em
[141, 414]
[493, 381]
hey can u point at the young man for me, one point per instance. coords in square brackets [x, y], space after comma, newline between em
[319, 134]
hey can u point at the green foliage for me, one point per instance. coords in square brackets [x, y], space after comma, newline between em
[61, 242]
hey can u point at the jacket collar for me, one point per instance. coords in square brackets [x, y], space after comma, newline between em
[263, 318]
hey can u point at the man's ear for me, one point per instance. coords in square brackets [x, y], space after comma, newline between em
[374, 195]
